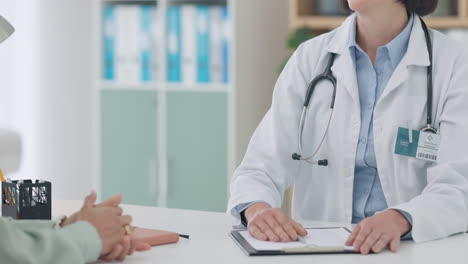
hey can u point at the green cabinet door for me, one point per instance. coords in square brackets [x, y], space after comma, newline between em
[129, 146]
[197, 145]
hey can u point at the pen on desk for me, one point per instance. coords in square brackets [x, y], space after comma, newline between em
[184, 236]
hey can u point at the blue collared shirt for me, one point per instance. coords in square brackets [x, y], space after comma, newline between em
[368, 196]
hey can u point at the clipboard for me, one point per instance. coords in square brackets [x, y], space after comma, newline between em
[250, 250]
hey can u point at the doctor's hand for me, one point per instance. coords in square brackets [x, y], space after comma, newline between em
[379, 231]
[271, 224]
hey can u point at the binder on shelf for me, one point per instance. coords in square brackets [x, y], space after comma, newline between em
[173, 44]
[216, 43]
[127, 49]
[157, 43]
[196, 48]
[108, 43]
[226, 42]
[203, 44]
[145, 43]
[189, 67]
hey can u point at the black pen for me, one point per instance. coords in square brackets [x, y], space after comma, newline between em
[184, 236]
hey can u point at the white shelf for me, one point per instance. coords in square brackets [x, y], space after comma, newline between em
[197, 2]
[168, 87]
[149, 86]
[147, 2]
[203, 88]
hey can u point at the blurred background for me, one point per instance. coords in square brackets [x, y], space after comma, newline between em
[154, 99]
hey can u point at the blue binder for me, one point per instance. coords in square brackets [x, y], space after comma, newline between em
[108, 25]
[203, 44]
[173, 44]
[226, 44]
[145, 43]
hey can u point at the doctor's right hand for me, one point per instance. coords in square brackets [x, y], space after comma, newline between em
[271, 224]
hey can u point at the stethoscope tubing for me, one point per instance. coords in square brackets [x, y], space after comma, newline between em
[310, 159]
[328, 76]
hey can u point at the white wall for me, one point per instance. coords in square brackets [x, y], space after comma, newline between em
[260, 49]
[65, 105]
[19, 80]
[46, 94]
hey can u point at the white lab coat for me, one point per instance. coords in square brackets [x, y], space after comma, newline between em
[434, 193]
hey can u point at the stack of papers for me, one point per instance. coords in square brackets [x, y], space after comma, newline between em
[335, 237]
[318, 240]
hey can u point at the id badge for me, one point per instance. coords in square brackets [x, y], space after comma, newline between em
[420, 145]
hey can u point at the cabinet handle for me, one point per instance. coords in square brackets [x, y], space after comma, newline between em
[151, 174]
[170, 187]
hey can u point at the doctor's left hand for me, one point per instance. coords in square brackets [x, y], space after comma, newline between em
[378, 232]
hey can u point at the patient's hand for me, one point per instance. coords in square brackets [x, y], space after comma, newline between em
[125, 248]
[111, 202]
[127, 245]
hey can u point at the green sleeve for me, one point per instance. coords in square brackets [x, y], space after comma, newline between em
[37, 242]
[30, 224]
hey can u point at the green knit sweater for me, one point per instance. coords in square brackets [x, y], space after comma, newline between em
[36, 241]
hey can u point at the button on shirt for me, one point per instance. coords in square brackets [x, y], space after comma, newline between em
[368, 196]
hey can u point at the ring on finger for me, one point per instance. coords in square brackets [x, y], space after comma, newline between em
[128, 230]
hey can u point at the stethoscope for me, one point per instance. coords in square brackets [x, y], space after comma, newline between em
[327, 75]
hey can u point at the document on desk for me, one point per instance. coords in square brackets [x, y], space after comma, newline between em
[317, 241]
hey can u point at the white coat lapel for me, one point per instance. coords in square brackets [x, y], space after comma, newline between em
[346, 76]
[415, 55]
[343, 67]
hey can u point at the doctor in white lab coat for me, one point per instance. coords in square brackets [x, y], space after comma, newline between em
[426, 199]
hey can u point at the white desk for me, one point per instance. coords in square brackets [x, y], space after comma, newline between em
[209, 242]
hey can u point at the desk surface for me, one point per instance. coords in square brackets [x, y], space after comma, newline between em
[209, 241]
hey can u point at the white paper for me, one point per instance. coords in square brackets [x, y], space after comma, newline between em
[326, 237]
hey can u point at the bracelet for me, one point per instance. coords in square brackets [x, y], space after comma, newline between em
[58, 223]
